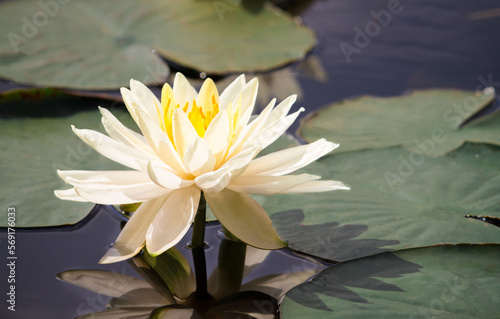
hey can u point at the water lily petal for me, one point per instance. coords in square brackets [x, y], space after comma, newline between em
[244, 218]
[231, 92]
[274, 130]
[183, 91]
[199, 158]
[148, 101]
[69, 194]
[133, 236]
[160, 143]
[173, 220]
[252, 129]
[103, 179]
[290, 159]
[268, 185]
[183, 131]
[239, 162]
[208, 95]
[248, 97]
[216, 181]
[130, 101]
[213, 182]
[246, 100]
[120, 194]
[163, 177]
[114, 150]
[120, 132]
[282, 109]
[316, 187]
[217, 136]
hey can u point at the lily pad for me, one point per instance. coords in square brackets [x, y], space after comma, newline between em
[428, 122]
[432, 282]
[34, 147]
[397, 199]
[102, 44]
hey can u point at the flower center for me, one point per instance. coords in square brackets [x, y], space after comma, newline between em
[199, 115]
[200, 111]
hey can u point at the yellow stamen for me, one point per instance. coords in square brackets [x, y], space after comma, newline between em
[200, 112]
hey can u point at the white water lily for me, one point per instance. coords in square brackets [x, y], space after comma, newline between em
[193, 142]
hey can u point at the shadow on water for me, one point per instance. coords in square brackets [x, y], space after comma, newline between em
[328, 240]
[361, 273]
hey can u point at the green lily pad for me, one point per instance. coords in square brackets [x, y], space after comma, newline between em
[428, 122]
[397, 199]
[102, 44]
[34, 147]
[431, 282]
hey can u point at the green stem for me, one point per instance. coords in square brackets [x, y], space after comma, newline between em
[198, 248]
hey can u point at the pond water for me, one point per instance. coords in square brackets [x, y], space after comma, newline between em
[421, 44]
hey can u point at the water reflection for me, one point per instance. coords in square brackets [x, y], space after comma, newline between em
[243, 282]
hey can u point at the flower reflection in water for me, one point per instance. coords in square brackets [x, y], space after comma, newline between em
[168, 286]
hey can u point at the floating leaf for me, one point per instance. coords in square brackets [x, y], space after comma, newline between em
[102, 44]
[397, 199]
[427, 122]
[432, 282]
[34, 147]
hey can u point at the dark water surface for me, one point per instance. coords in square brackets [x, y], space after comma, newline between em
[421, 44]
